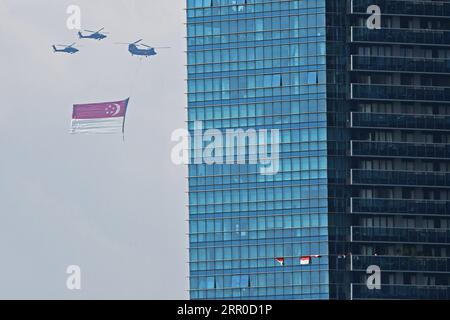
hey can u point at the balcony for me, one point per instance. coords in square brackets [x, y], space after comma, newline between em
[400, 36]
[400, 178]
[399, 206]
[402, 263]
[399, 121]
[403, 235]
[409, 8]
[402, 292]
[378, 92]
[399, 64]
[400, 150]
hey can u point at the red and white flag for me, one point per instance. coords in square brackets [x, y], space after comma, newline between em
[104, 117]
[316, 256]
[280, 261]
[305, 260]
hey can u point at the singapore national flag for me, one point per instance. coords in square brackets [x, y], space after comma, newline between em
[104, 117]
[305, 260]
[280, 261]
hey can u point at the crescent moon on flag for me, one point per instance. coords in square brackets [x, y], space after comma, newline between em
[118, 107]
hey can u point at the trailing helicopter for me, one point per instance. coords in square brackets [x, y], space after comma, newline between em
[95, 35]
[67, 48]
[136, 49]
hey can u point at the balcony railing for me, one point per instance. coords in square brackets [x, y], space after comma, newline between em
[400, 178]
[401, 121]
[399, 93]
[400, 206]
[376, 234]
[401, 36]
[400, 150]
[403, 263]
[402, 292]
[399, 64]
[399, 7]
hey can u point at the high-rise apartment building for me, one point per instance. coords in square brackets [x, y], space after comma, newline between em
[364, 156]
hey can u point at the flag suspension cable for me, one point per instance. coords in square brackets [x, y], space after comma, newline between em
[135, 76]
[132, 87]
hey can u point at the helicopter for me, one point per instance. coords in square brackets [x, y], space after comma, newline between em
[67, 49]
[95, 35]
[136, 49]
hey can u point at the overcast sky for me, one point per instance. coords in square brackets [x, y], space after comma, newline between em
[115, 209]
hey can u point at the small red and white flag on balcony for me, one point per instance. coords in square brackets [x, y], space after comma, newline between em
[280, 261]
[305, 260]
[316, 256]
[104, 117]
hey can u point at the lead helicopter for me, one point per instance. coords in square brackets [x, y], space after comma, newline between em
[136, 49]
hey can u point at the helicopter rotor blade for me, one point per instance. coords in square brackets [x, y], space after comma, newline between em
[137, 41]
[100, 30]
[89, 31]
[154, 47]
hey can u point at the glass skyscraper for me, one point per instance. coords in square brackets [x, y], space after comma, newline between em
[364, 122]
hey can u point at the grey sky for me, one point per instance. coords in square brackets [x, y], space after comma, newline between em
[115, 209]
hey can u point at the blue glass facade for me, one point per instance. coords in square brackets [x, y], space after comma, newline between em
[259, 65]
[364, 119]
